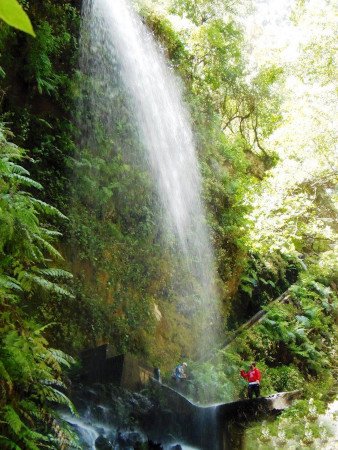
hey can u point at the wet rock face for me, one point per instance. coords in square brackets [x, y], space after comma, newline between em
[129, 439]
[111, 404]
[103, 443]
[110, 417]
[113, 418]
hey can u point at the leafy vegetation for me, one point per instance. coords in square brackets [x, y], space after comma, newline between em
[265, 140]
[31, 371]
[12, 13]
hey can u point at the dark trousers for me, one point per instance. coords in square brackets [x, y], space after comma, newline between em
[253, 389]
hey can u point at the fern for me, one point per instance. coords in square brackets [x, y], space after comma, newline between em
[15, 168]
[9, 444]
[8, 282]
[26, 217]
[28, 280]
[28, 182]
[29, 362]
[53, 395]
[56, 273]
[47, 246]
[65, 436]
[30, 407]
[12, 419]
[49, 233]
[53, 383]
[25, 409]
[62, 358]
[47, 209]
[30, 372]
[4, 375]
[30, 445]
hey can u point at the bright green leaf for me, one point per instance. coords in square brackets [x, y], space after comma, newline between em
[13, 14]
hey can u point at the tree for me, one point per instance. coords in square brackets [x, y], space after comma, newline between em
[295, 212]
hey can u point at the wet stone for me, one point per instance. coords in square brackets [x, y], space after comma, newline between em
[103, 443]
[128, 438]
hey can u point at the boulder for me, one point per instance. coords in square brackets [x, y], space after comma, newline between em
[103, 443]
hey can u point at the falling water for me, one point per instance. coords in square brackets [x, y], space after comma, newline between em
[117, 48]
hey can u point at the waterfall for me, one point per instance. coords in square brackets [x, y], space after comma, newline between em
[118, 49]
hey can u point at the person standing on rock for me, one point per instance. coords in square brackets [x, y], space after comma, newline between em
[253, 377]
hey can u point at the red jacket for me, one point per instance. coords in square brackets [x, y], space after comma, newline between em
[252, 375]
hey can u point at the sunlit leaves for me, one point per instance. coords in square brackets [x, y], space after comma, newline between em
[12, 13]
[295, 212]
[201, 11]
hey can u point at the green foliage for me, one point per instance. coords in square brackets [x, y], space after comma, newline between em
[22, 237]
[167, 37]
[39, 73]
[113, 243]
[293, 345]
[269, 197]
[31, 375]
[31, 371]
[298, 331]
[201, 11]
[297, 427]
[44, 49]
[12, 13]
[282, 379]
[263, 280]
[208, 384]
[296, 209]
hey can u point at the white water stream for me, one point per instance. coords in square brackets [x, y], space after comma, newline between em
[113, 35]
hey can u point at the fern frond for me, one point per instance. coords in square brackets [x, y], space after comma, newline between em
[30, 445]
[8, 443]
[61, 357]
[40, 330]
[66, 437]
[56, 273]
[47, 209]
[35, 436]
[18, 353]
[33, 409]
[53, 395]
[47, 246]
[51, 233]
[8, 282]
[25, 181]
[27, 416]
[15, 168]
[44, 284]
[4, 376]
[26, 217]
[54, 383]
[51, 362]
[12, 419]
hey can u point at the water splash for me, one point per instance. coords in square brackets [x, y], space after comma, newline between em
[86, 432]
[118, 49]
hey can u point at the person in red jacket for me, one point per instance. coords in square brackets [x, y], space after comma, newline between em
[253, 376]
